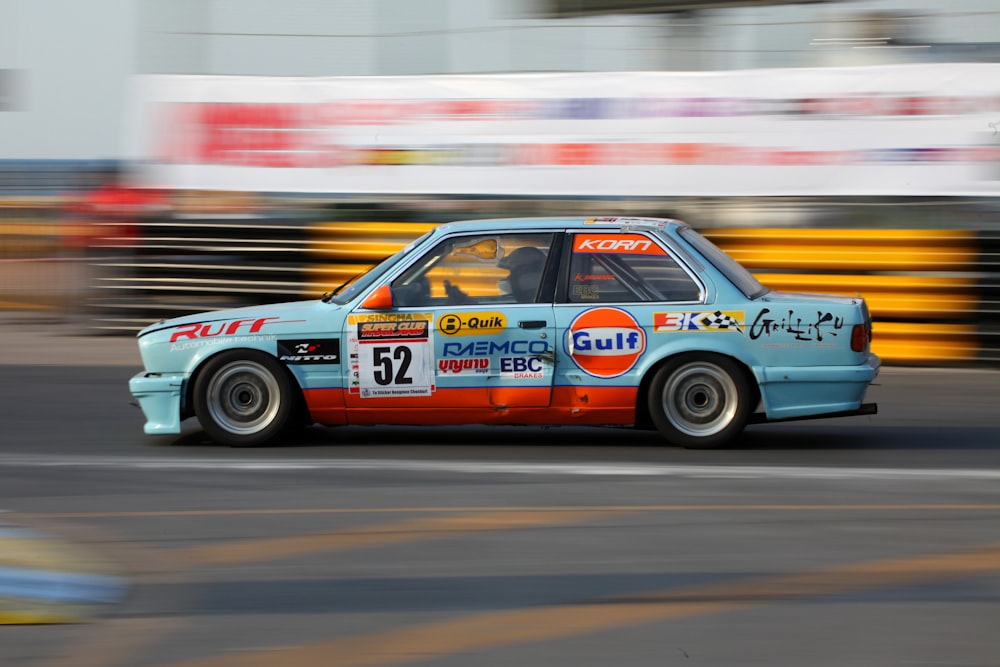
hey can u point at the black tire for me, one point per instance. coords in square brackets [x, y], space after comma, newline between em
[701, 401]
[244, 398]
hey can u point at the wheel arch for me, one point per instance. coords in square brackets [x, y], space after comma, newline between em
[642, 417]
[187, 406]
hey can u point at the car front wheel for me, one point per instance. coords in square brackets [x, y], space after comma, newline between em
[701, 401]
[243, 398]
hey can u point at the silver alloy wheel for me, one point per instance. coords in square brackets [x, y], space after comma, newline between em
[243, 397]
[700, 399]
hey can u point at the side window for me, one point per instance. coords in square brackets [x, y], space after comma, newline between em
[625, 268]
[476, 269]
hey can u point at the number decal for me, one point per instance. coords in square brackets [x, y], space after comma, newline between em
[405, 355]
[382, 365]
[393, 356]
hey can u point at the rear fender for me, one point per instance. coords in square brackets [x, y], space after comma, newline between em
[642, 418]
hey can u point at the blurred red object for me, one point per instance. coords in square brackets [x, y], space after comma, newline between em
[107, 215]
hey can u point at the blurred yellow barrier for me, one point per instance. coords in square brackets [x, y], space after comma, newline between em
[849, 249]
[353, 247]
[897, 296]
[915, 342]
[363, 241]
[36, 271]
[30, 239]
[905, 275]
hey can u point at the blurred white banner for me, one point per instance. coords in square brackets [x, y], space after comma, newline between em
[917, 130]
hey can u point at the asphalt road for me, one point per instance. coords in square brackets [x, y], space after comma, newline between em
[860, 541]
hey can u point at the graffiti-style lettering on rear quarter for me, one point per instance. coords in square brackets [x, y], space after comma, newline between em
[808, 329]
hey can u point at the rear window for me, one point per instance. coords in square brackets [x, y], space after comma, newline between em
[727, 266]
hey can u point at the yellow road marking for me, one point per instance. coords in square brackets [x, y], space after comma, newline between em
[430, 528]
[485, 631]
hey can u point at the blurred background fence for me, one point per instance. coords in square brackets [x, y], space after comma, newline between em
[934, 293]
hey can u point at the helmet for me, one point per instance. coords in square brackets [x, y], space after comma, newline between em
[525, 266]
[525, 257]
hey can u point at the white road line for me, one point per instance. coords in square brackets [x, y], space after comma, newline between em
[488, 467]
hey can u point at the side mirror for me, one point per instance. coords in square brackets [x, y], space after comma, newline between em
[380, 299]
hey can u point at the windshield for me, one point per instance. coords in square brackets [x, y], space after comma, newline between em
[727, 266]
[361, 281]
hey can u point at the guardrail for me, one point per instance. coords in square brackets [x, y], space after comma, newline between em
[934, 294]
[190, 264]
[39, 262]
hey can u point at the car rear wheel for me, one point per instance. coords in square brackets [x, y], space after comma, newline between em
[243, 398]
[701, 401]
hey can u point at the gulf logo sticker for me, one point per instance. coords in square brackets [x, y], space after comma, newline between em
[624, 244]
[605, 342]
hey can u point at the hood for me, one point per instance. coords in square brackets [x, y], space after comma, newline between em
[299, 310]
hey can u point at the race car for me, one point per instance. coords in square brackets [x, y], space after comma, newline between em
[614, 321]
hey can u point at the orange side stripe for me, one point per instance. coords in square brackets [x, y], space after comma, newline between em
[569, 405]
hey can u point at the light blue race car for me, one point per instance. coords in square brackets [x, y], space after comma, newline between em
[545, 321]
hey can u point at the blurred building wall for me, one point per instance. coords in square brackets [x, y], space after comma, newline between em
[70, 60]
[69, 63]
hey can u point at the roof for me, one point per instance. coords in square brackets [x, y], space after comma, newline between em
[581, 222]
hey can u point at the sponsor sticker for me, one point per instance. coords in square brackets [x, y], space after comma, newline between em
[228, 340]
[625, 244]
[309, 351]
[471, 324]
[198, 330]
[488, 348]
[356, 318]
[522, 368]
[605, 342]
[645, 222]
[798, 326]
[719, 320]
[467, 366]
[392, 330]
[391, 357]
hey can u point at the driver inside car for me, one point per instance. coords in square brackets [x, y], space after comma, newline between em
[524, 273]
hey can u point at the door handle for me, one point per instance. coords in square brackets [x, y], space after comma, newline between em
[532, 324]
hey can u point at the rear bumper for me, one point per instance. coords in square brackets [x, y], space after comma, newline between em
[159, 397]
[817, 391]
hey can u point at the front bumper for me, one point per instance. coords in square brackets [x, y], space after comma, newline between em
[159, 396]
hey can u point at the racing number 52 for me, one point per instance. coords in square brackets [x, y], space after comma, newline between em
[382, 358]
